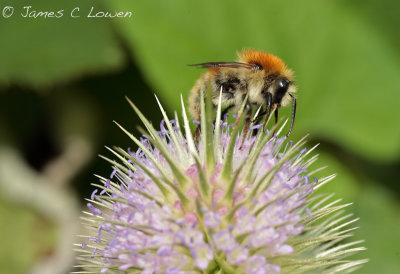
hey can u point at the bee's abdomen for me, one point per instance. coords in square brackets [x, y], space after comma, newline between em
[194, 98]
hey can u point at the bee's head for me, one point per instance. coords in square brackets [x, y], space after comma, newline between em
[282, 87]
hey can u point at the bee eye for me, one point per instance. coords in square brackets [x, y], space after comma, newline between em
[283, 83]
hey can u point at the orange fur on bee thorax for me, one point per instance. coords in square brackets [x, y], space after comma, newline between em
[269, 62]
[213, 71]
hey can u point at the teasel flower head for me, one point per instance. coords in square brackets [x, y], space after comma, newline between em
[220, 205]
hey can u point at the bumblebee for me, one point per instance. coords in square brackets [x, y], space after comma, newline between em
[261, 76]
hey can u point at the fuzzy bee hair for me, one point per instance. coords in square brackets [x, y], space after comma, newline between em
[261, 76]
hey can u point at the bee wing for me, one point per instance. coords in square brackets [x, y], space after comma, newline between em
[228, 65]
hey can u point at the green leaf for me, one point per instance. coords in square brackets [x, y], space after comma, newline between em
[379, 225]
[347, 73]
[344, 186]
[39, 52]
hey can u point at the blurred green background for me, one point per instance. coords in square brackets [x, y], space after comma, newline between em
[63, 82]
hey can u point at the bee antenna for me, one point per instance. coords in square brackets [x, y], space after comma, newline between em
[293, 114]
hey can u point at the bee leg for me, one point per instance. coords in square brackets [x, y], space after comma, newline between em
[276, 117]
[259, 117]
[247, 121]
[268, 109]
[257, 120]
[293, 114]
[196, 134]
